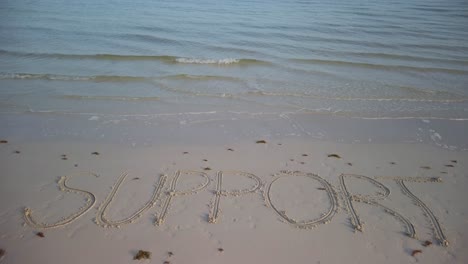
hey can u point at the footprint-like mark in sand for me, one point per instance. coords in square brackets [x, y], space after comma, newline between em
[368, 199]
[324, 218]
[104, 222]
[90, 201]
[172, 192]
[214, 214]
[435, 223]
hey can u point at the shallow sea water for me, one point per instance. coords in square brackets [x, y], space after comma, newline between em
[145, 59]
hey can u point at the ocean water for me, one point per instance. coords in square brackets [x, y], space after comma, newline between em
[365, 59]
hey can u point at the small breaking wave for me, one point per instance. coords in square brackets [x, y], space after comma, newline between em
[55, 77]
[111, 98]
[379, 66]
[343, 98]
[118, 57]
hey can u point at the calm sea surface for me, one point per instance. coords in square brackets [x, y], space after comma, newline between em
[371, 59]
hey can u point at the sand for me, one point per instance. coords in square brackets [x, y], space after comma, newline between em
[284, 201]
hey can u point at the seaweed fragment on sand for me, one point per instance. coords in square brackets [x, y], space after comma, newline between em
[142, 254]
[321, 188]
[304, 155]
[415, 252]
[449, 165]
[334, 156]
[453, 161]
[427, 243]
[95, 153]
[40, 234]
[261, 142]
[167, 262]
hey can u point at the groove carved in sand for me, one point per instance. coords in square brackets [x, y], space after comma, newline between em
[103, 221]
[439, 234]
[214, 214]
[324, 218]
[173, 192]
[90, 201]
[368, 199]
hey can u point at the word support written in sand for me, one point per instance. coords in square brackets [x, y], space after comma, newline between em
[165, 195]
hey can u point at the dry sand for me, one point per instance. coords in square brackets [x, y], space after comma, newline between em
[283, 201]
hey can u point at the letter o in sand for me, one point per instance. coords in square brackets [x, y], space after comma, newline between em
[325, 187]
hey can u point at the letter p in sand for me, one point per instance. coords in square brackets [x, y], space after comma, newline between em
[214, 214]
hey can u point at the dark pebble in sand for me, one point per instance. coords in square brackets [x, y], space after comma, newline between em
[40, 234]
[220, 249]
[427, 243]
[417, 251]
[17, 152]
[142, 255]
[95, 153]
[207, 168]
[2, 252]
[3, 141]
[261, 142]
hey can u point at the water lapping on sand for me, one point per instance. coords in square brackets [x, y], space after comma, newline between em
[371, 60]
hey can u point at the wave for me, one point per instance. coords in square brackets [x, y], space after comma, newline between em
[246, 113]
[113, 78]
[111, 98]
[118, 57]
[379, 66]
[342, 98]
[201, 77]
[54, 77]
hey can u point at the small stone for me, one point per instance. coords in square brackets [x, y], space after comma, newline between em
[142, 255]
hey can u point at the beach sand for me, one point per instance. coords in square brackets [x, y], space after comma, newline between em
[289, 200]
